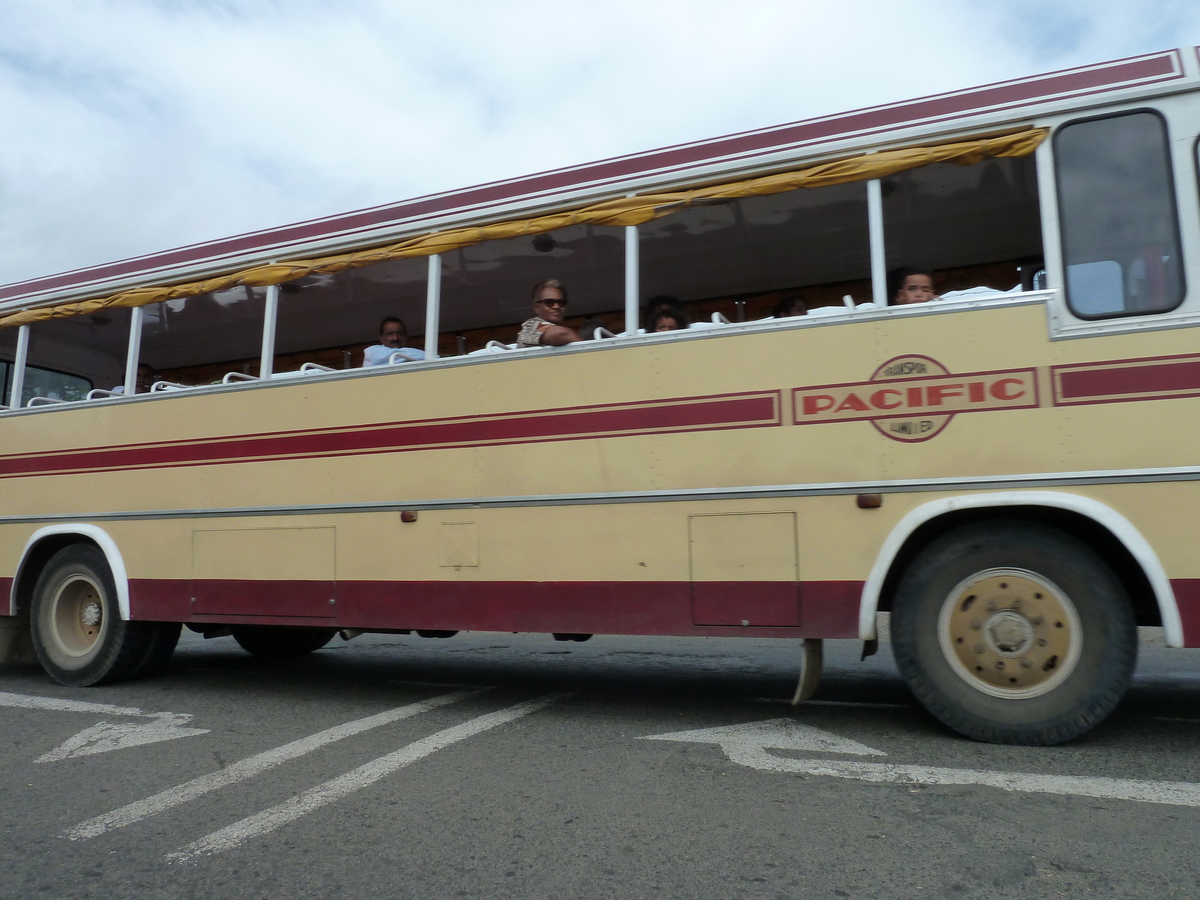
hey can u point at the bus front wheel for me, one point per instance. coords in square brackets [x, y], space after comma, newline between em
[1014, 632]
[78, 633]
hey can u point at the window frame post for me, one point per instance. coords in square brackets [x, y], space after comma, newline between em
[878, 248]
[266, 363]
[133, 354]
[19, 360]
[433, 306]
[632, 286]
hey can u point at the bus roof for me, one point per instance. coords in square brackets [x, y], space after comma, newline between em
[1019, 99]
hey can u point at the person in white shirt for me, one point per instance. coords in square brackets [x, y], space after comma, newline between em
[393, 343]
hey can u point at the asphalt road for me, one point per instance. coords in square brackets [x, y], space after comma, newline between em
[513, 766]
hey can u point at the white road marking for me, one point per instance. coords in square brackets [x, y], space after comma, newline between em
[1174, 793]
[251, 766]
[268, 820]
[106, 736]
[782, 734]
[21, 701]
[1173, 719]
[747, 745]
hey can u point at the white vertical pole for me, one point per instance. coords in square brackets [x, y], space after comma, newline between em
[433, 305]
[632, 261]
[267, 364]
[878, 250]
[134, 351]
[18, 382]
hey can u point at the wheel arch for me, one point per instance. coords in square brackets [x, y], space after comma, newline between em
[47, 541]
[1126, 550]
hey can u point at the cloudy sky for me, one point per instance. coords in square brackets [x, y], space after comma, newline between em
[129, 126]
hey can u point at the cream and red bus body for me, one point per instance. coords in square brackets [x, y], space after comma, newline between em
[678, 485]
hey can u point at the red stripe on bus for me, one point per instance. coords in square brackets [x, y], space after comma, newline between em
[656, 417]
[828, 609]
[6, 596]
[1116, 381]
[1003, 95]
[1187, 598]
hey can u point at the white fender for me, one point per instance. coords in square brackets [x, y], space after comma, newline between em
[1103, 515]
[108, 547]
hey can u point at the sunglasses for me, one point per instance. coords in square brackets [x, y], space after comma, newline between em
[554, 301]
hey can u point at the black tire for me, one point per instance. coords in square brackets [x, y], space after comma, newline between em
[78, 634]
[163, 638]
[281, 641]
[1014, 632]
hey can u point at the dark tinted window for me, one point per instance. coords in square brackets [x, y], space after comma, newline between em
[1117, 213]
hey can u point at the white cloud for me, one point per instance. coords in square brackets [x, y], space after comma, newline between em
[134, 126]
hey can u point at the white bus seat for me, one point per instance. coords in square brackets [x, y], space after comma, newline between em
[231, 377]
[601, 333]
[828, 311]
[492, 347]
[168, 386]
[43, 401]
[977, 292]
[397, 356]
[102, 394]
[309, 368]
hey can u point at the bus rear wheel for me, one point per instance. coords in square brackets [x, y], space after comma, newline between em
[281, 641]
[1014, 633]
[78, 633]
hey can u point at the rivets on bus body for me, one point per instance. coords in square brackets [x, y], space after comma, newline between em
[870, 501]
[408, 515]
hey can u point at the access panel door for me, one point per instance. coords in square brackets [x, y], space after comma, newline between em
[264, 572]
[744, 569]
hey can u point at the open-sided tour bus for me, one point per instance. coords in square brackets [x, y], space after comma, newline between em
[1010, 468]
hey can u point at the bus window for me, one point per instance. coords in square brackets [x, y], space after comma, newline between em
[486, 288]
[759, 247]
[975, 226]
[198, 340]
[1117, 215]
[329, 319]
[68, 357]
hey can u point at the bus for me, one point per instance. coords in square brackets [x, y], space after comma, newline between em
[1009, 468]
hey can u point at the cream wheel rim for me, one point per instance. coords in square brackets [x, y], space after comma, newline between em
[1010, 633]
[77, 618]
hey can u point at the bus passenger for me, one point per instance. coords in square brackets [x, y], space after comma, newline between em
[910, 285]
[393, 338]
[665, 313]
[545, 328]
[667, 318]
[790, 306]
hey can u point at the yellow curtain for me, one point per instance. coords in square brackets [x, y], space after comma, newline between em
[623, 211]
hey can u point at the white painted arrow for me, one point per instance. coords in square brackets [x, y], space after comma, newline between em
[747, 745]
[106, 736]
